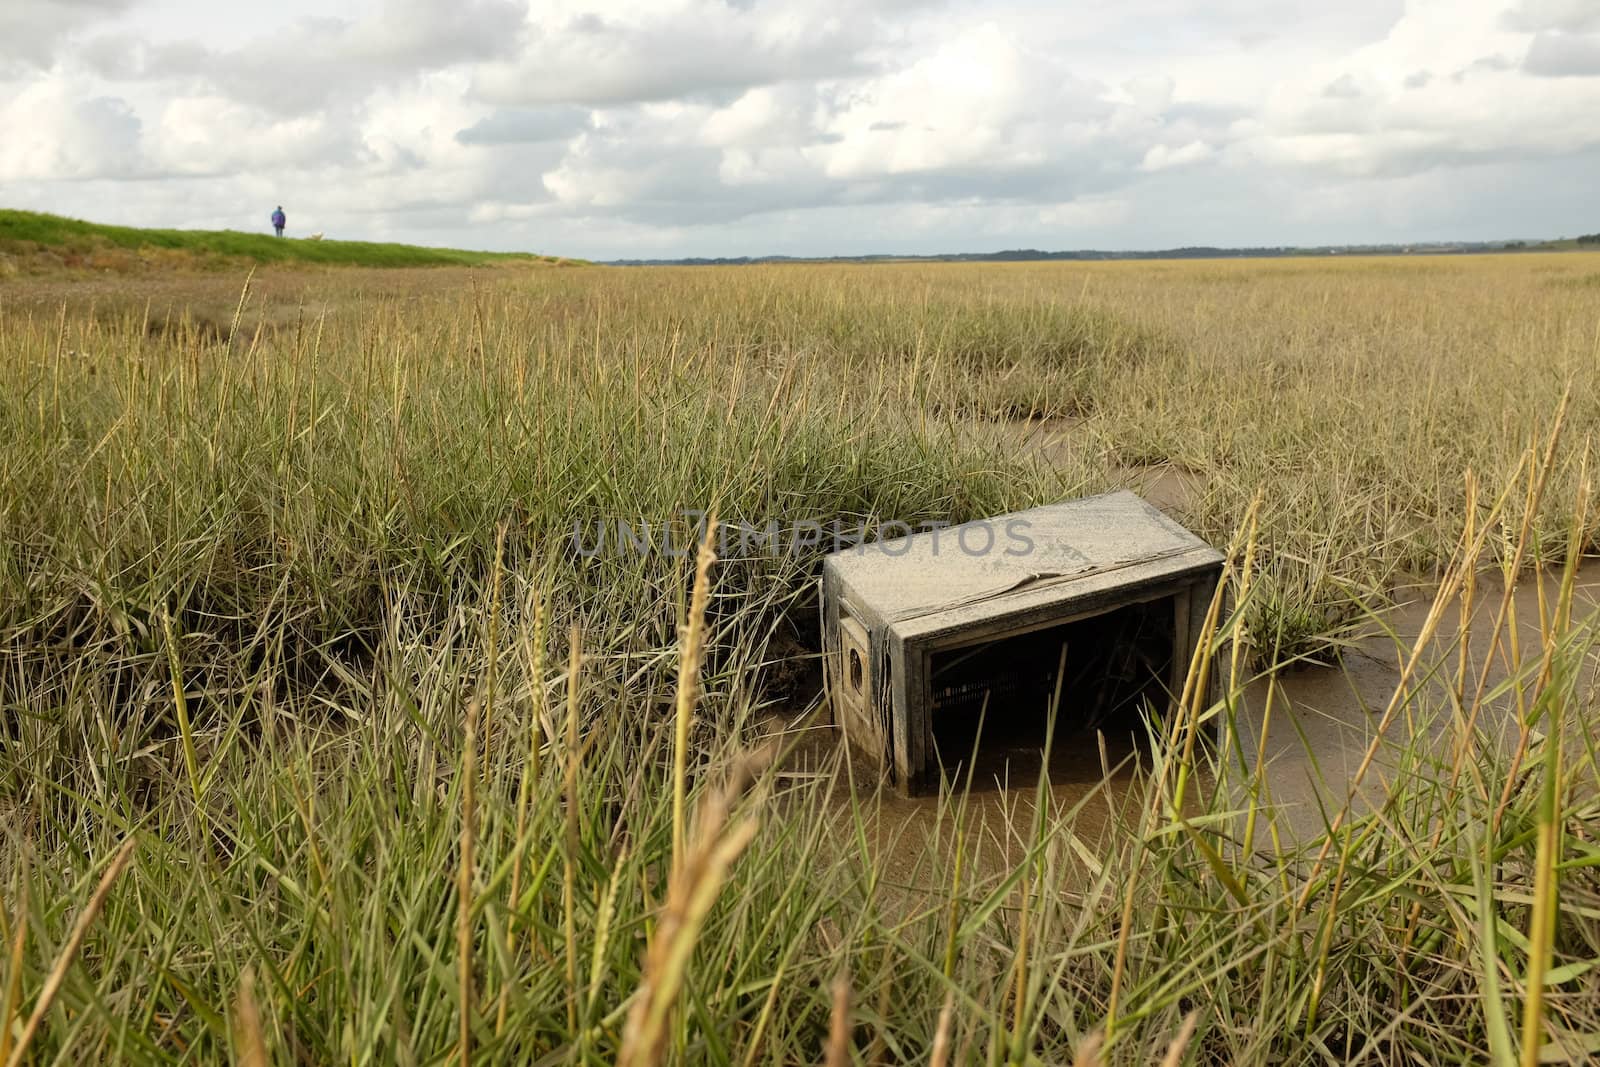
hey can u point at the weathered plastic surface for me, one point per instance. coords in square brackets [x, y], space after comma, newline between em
[988, 579]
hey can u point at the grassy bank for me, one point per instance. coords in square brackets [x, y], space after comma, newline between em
[33, 242]
[299, 613]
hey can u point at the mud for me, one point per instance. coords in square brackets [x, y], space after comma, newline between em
[1323, 719]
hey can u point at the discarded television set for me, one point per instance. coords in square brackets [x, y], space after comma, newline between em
[927, 634]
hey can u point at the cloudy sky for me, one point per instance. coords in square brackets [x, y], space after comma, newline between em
[619, 128]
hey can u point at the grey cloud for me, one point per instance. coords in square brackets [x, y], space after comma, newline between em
[407, 159]
[310, 62]
[1418, 79]
[517, 180]
[1564, 55]
[1483, 64]
[107, 129]
[722, 96]
[525, 126]
[1342, 88]
[1185, 123]
[113, 58]
[1571, 16]
[611, 63]
[1049, 181]
[1204, 114]
[31, 31]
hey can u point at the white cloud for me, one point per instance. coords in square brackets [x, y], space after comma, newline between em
[53, 132]
[950, 108]
[1086, 214]
[215, 135]
[759, 116]
[1163, 157]
[1367, 113]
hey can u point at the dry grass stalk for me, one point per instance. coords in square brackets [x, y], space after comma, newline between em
[571, 839]
[1088, 1051]
[940, 1054]
[249, 1043]
[692, 889]
[838, 1052]
[691, 646]
[1180, 1043]
[491, 670]
[534, 651]
[464, 873]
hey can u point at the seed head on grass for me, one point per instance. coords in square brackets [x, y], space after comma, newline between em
[691, 649]
[838, 1054]
[940, 1054]
[249, 1044]
[692, 888]
[1180, 1043]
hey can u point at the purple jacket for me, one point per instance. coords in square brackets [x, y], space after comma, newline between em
[278, 220]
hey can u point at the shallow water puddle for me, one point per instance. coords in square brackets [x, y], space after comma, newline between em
[1323, 719]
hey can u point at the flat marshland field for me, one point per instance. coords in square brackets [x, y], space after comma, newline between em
[324, 739]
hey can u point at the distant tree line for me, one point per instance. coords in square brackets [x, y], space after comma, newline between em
[1589, 239]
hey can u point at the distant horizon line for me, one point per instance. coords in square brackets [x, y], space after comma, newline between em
[1444, 246]
[1436, 247]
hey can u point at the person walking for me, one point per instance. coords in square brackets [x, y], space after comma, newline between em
[279, 220]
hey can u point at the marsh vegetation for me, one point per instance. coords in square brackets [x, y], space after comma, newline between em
[321, 741]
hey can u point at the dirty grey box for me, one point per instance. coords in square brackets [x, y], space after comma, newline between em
[923, 634]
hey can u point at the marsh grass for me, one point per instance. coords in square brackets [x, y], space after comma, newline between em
[410, 779]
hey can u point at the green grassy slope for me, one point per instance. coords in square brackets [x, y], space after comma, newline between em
[34, 236]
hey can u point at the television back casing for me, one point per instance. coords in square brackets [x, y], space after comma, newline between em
[890, 606]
